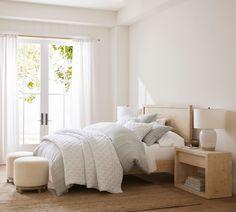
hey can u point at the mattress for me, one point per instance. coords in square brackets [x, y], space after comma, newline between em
[156, 152]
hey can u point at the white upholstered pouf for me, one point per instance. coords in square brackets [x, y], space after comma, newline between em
[31, 173]
[11, 157]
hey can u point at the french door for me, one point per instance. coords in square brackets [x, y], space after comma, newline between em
[44, 85]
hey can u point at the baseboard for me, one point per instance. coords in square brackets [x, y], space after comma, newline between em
[234, 186]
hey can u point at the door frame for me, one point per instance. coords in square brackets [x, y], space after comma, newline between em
[44, 82]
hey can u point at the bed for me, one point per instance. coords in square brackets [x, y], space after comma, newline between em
[181, 119]
[88, 157]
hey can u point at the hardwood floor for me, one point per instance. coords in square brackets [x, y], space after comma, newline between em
[213, 205]
[216, 205]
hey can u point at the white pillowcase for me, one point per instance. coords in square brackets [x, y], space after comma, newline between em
[125, 120]
[171, 139]
[161, 121]
[139, 129]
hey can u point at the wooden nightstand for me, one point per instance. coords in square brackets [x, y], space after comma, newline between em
[216, 167]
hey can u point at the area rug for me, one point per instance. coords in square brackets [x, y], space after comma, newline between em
[138, 195]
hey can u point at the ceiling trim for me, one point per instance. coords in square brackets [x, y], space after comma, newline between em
[108, 5]
[57, 14]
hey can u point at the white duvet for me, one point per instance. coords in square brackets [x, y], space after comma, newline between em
[89, 159]
[98, 155]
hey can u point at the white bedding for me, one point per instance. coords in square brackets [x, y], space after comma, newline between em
[79, 156]
[96, 156]
[156, 152]
[89, 159]
[165, 151]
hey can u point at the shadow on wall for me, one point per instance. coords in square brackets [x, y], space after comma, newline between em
[144, 96]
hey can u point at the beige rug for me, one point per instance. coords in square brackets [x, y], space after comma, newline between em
[138, 195]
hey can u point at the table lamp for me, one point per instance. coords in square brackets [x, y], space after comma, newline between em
[207, 120]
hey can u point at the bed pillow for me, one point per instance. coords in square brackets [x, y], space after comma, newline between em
[161, 121]
[126, 119]
[146, 118]
[171, 139]
[155, 134]
[139, 129]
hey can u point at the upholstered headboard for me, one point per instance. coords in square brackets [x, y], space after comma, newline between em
[180, 118]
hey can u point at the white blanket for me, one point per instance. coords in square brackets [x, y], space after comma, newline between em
[89, 159]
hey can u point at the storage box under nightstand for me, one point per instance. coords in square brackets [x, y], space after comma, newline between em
[217, 170]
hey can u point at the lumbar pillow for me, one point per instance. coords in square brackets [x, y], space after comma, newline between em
[146, 118]
[156, 133]
[139, 129]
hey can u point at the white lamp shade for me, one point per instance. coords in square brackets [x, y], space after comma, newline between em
[125, 111]
[209, 118]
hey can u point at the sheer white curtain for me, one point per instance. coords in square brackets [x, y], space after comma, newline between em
[8, 96]
[83, 106]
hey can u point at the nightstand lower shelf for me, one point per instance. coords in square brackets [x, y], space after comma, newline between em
[216, 166]
[201, 194]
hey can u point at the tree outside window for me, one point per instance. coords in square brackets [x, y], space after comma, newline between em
[29, 68]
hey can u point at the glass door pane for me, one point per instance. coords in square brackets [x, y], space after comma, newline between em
[29, 58]
[44, 77]
[59, 96]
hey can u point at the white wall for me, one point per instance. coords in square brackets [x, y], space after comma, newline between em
[186, 54]
[103, 54]
[120, 65]
[135, 10]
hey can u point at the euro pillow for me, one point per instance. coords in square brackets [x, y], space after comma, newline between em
[171, 139]
[146, 118]
[155, 134]
[125, 120]
[139, 129]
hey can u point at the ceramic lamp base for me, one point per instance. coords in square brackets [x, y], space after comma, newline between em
[208, 139]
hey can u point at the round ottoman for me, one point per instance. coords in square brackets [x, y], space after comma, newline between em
[11, 157]
[31, 173]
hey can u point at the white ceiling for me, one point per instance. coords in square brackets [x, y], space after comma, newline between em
[93, 4]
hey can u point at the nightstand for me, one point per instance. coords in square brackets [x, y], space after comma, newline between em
[216, 168]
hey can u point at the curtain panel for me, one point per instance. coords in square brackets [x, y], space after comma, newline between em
[9, 136]
[83, 84]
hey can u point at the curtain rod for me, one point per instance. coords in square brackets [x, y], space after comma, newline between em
[52, 37]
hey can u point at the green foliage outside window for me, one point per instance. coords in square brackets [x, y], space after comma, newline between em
[29, 68]
[64, 74]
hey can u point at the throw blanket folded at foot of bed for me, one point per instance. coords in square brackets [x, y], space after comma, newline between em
[93, 157]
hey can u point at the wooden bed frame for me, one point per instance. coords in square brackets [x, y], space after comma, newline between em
[181, 119]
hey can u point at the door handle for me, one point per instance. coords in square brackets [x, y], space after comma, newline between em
[41, 119]
[46, 119]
